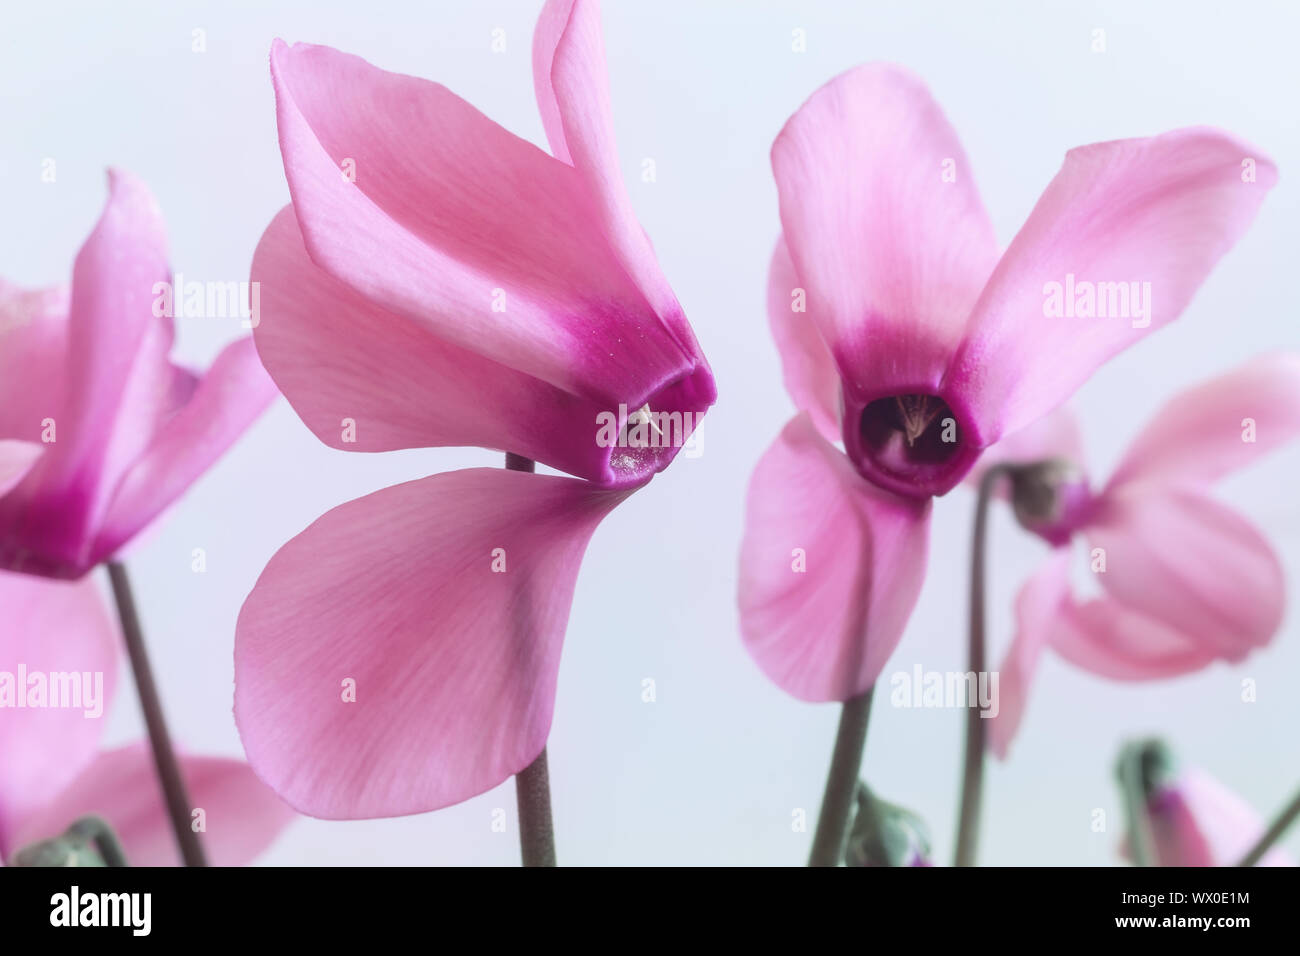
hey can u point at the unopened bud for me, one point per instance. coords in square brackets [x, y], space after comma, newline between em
[885, 834]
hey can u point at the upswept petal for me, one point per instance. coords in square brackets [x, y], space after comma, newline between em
[1200, 822]
[1218, 426]
[830, 568]
[1161, 210]
[458, 224]
[1182, 558]
[893, 250]
[116, 355]
[226, 400]
[240, 814]
[440, 604]
[33, 355]
[571, 81]
[809, 370]
[340, 358]
[1042, 598]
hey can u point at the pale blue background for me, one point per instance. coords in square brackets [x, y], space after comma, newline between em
[711, 772]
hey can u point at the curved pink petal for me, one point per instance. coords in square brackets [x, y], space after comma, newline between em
[1110, 639]
[226, 400]
[571, 81]
[457, 224]
[339, 358]
[57, 645]
[16, 459]
[1039, 603]
[1160, 211]
[893, 250]
[1223, 424]
[33, 353]
[1200, 822]
[397, 593]
[240, 818]
[809, 370]
[117, 358]
[1183, 558]
[830, 568]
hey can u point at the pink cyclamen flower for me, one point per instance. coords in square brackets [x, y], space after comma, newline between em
[439, 281]
[99, 429]
[1186, 581]
[1197, 821]
[904, 334]
[52, 767]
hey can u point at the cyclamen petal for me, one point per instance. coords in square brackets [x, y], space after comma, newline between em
[1159, 212]
[124, 431]
[810, 374]
[460, 227]
[830, 568]
[442, 604]
[33, 340]
[342, 359]
[218, 408]
[1200, 822]
[1182, 558]
[893, 255]
[572, 86]
[1225, 423]
[51, 627]
[1040, 601]
[16, 459]
[111, 342]
[241, 815]
[1110, 639]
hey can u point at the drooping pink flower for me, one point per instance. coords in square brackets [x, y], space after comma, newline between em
[907, 337]
[1192, 818]
[1195, 820]
[59, 637]
[99, 429]
[440, 281]
[1186, 581]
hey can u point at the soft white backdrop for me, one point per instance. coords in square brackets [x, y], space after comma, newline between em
[710, 772]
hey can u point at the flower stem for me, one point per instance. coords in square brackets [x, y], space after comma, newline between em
[1140, 840]
[532, 784]
[1274, 833]
[973, 772]
[841, 783]
[533, 796]
[96, 831]
[164, 757]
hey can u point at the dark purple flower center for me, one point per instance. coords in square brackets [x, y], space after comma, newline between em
[913, 444]
[920, 421]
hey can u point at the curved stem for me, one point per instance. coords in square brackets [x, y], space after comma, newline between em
[1274, 833]
[532, 784]
[841, 783]
[96, 831]
[1140, 840]
[973, 772]
[164, 757]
